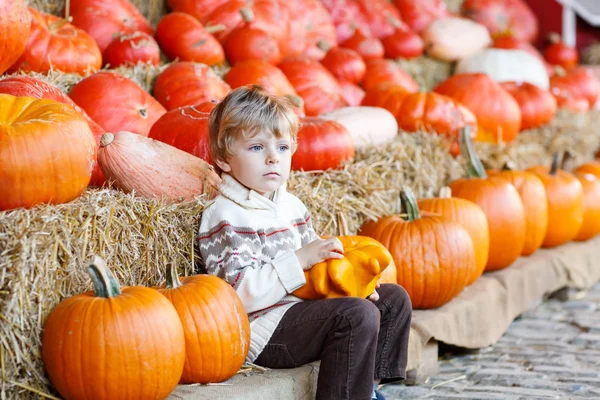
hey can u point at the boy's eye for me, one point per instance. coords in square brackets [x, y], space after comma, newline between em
[256, 147]
[284, 147]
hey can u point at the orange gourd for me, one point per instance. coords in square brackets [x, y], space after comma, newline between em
[215, 324]
[15, 28]
[470, 216]
[434, 257]
[533, 195]
[113, 343]
[592, 167]
[591, 206]
[355, 275]
[47, 152]
[538, 106]
[564, 194]
[501, 204]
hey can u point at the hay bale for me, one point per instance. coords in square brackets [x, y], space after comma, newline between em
[427, 71]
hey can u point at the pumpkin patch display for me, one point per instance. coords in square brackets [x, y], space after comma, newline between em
[215, 325]
[15, 27]
[187, 83]
[185, 128]
[113, 343]
[502, 17]
[355, 275]
[497, 112]
[47, 151]
[470, 216]
[322, 144]
[117, 103]
[434, 257]
[501, 203]
[564, 194]
[537, 106]
[55, 43]
[181, 36]
[153, 169]
[131, 49]
[533, 195]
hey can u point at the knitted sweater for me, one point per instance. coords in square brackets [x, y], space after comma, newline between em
[250, 242]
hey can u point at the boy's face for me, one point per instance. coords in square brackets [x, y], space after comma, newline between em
[261, 163]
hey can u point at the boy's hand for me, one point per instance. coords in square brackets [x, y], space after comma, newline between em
[319, 250]
[374, 296]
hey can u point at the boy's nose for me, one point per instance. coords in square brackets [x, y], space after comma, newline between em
[272, 157]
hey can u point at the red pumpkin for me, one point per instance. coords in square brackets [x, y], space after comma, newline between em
[248, 42]
[105, 19]
[577, 83]
[28, 86]
[503, 17]
[132, 49]
[381, 16]
[347, 17]
[538, 106]
[183, 37]
[319, 89]
[55, 43]
[352, 93]
[199, 9]
[311, 29]
[418, 15]
[14, 31]
[345, 64]
[403, 43]
[185, 128]
[381, 73]
[558, 53]
[187, 83]
[497, 112]
[117, 103]
[369, 47]
[322, 144]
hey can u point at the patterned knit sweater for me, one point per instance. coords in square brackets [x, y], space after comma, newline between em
[250, 242]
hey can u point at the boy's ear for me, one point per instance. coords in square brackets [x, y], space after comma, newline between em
[225, 167]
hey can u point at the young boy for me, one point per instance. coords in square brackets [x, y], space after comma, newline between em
[259, 238]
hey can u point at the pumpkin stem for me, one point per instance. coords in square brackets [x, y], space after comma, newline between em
[295, 100]
[173, 281]
[342, 224]
[56, 25]
[106, 139]
[393, 21]
[215, 28]
[567, 161]
[445, 193]
[509, 166]
[474, 166]
[323, 45]
[554, 37]
[409, 203]
[68, 10]
[247, 14]
[555, 163]
[105, 283]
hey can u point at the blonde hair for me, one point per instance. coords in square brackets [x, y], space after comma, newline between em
[245, 112]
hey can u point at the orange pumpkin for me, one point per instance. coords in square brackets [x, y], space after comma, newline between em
[533, 195]
[248, 42]
[591, 206]
[564, 194]
[130, 339]
[345, 64]
[434, 257]
[470, 216]
[369, 47]
[355, 275]
[501, 204]
[132, 49]
[47, 152]
[498, 114]
[382, 73]
[15, 27]
[592, 167]
[537, 105]
[215, 324]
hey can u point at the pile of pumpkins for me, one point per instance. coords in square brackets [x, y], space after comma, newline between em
[334, 61]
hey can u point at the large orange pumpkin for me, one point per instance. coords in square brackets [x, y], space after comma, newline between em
[113, 343]
[592, 167]
[117, 103]
[501, 204]
[215, 324]
[533, 195]
[564, 194]
[47, 152]
[537, 105]
[15, 27]
[498, 114]
[471, 217]
[356, 275]
[55, 43]
[434, 257]
[591, 206]
[188, 83]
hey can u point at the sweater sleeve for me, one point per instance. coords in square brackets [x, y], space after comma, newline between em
[235, 255]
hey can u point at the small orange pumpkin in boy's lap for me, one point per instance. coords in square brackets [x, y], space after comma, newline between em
[354, 275]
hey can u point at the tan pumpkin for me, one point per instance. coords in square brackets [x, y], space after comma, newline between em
[215, 324]
[454, 38]
[150, 168]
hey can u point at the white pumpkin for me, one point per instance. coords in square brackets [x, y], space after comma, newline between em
[367, 125]
[504, 65]
[454, 38]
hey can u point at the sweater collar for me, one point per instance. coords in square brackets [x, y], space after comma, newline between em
[245, 197]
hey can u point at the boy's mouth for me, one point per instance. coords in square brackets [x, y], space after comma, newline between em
[271, 174]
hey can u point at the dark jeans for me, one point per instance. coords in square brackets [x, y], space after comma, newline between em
[356, 340]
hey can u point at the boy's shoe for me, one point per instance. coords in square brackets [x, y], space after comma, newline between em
[379, 395]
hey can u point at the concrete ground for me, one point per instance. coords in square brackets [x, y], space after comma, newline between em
[552, 351]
